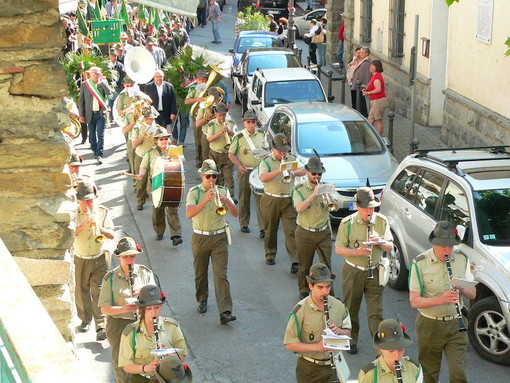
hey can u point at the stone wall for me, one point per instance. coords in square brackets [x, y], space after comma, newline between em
[35, 203]
[335, 8]
[466, 123]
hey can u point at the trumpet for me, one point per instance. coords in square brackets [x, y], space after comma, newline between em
[286, 177]
[220, 208]
[98, 237]
[230, 124]
[328, 202]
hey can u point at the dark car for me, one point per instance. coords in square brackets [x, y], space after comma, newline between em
[249, 40]
[261, 58]
[278, 8]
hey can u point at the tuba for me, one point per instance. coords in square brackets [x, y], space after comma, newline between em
[140, 65]
[214, 77]
[74, 129]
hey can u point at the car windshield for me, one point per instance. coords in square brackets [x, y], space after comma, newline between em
[257, 42]
[284, 92]
[272, 61]
[493, 216]
[337, 138]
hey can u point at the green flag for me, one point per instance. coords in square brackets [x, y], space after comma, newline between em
[142, 13]
[124, 13]
[94, 13]
[154, 18]
[82, 24]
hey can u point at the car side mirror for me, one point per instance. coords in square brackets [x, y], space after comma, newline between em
[461, 232]
[255, 102]
[231, 50]
[331, 98]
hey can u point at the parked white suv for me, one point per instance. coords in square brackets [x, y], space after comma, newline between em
[271, 87]
[470, 187]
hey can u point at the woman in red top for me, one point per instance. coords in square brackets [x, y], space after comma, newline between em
[378, 100]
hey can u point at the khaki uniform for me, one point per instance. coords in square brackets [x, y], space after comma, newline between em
[220, 155]
[378, 371]
[352, 232]
[306, 324]
[158, 214]
[90, 266]
[193, 93]
[276, 204]
[209, 241]
[240, 148]
[136, 343]
[204, 143]
[124, 102]
[114, 290]
[140, 150]
[313, 233]
[437, 327]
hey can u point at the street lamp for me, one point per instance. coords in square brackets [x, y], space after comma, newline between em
[292, 27]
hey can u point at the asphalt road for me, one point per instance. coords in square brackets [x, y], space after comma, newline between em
[249, 349]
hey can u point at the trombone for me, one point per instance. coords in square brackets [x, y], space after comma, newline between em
[220, 208]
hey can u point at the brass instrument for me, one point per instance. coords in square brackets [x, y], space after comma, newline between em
[74, 129]
[328, 201]
[370, 265]
[334, 373]
[462, 326]
[286, 177]
[220, 208]
[98, 237]
[214, 77]
[230, 125]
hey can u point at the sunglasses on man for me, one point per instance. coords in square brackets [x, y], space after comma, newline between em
[214, 176]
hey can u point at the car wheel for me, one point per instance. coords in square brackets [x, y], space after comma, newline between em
[398, 268]
[488, 331]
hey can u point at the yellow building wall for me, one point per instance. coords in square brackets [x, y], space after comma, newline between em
[476, 70]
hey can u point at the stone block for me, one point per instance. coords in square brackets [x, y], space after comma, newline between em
[44, 80]
[59, 304]
[40, 272]
[12, 8]
[38, 126]
[34, 184]
[50, 155]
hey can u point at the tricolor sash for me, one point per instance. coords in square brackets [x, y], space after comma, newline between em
[96, 93]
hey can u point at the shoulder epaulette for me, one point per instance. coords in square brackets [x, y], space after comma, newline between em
[238, 134]
[107, 275]
[194, 188]
[420, 257]
[129, 327]
[296, 308]
[222, 187]
[348, 218]
[170, 320]
[298, 185]
[145, 267]
[413, 361]
[369, 367]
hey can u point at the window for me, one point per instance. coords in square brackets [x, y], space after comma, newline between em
[284, 92]
[280, 123]
[426, 194]
[366, 21]
[397, 17]
[454, 206]
[493, 216]
[403, 182]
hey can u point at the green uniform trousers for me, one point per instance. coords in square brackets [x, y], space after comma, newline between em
[243, 180]
[215, 248]
[172, 217]
[89, 275]
[435, 337]
[354, 285]
[308, 372]
[274, 208]
[204, 142]
[197, 132]
[141, 185]
[141, 379]
[131, 155]
[114, 328]
[307, 243]
[226, 177]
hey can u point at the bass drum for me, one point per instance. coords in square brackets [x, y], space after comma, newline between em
[167, 182]
[255, 183]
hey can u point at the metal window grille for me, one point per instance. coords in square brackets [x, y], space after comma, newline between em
[397, 17]
[366, 21]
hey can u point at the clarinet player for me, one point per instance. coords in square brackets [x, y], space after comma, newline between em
[439, 328]
[359, 271]
[120, 284]
[391, 365]
[307, 323]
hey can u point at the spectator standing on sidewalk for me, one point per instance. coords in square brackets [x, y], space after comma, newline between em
[215, 19]
[341, 38]
[312, 45]
[362, 73]
[376, 91]
[321, 47]
[202, 13]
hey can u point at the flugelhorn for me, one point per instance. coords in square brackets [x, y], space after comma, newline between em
[98, 237]
[328, 202]
[220, 208]
[286, 177]
[230, 124]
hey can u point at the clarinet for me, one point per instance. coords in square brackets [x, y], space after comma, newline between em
[398, 372]
[462, 326]
[334, 373]
[156, 335]
[131, 285]
[370, 274]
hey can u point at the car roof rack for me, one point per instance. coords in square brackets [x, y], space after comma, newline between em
[452, 163]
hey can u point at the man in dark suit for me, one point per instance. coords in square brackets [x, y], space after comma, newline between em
[94, 94]
[163, 99]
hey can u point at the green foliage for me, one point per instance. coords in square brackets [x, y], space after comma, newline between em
[450, 2]
[251, 21]
[507, 42]
[72, 63]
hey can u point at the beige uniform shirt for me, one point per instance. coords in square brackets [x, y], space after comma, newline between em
[149, 158]
[378, 371]
[147, 142]
[85, 244]
[207, 219]
[240, 147]
[124, 102]
[429, 277]
[275, 185]
[307, 323]
[352, 232]
[136, 343]
[317, 215]
[116, 288]
[219, 144]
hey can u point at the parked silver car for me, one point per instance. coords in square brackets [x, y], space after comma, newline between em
[470, 187]
[350, 148]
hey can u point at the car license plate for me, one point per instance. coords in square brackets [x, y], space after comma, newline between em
[272, 12]
[352, 206]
